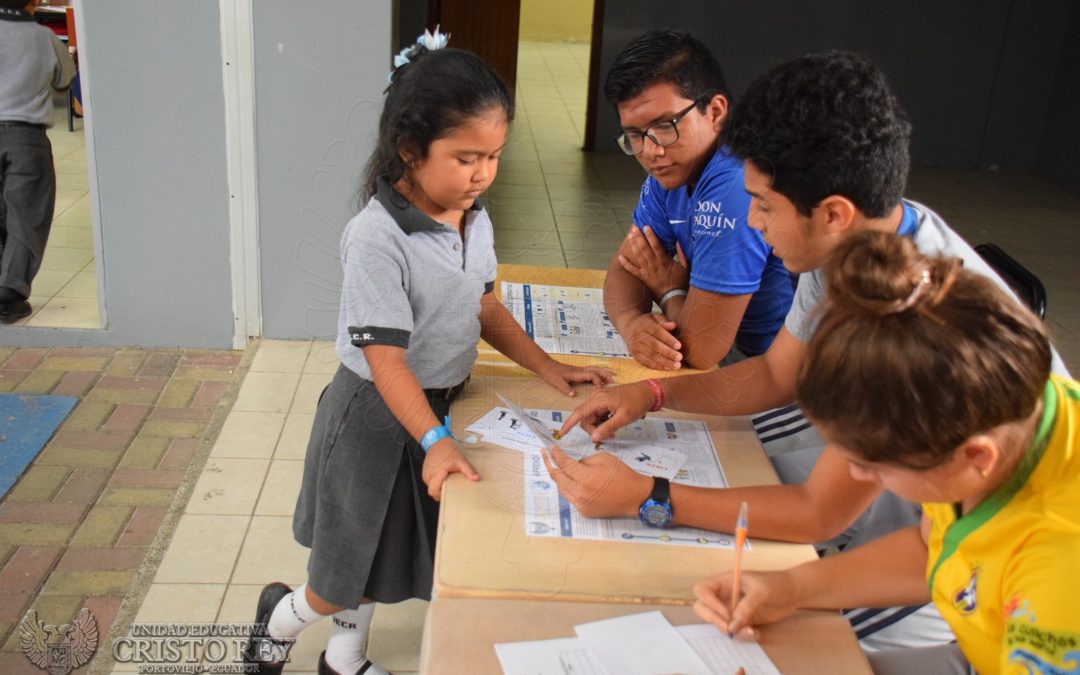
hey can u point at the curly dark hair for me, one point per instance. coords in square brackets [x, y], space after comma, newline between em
[825, 124]
[665, 56]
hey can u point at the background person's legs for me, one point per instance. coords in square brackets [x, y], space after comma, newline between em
[28, 183]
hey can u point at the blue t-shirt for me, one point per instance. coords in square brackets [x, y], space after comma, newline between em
[725, 254]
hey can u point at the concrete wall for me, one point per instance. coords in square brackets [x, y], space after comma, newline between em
[318, 95]
[556, 20]
[976, 76]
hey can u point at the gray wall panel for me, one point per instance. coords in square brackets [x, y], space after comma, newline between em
[318, 91]
[159, 139]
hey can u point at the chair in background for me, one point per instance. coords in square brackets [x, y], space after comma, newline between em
[1027, 286]
[74, 95]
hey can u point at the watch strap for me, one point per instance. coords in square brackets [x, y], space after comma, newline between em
[661, 491]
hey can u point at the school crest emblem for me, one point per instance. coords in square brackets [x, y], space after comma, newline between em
[964, 599]
[59, 650]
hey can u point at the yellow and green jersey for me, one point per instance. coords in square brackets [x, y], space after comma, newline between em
[1006, 576]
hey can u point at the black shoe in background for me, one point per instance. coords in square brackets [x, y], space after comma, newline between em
[10, 312]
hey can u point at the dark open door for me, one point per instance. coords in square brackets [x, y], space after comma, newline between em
[488, 28]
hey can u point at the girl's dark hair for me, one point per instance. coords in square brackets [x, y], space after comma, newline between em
[427, 99]
[913, 354]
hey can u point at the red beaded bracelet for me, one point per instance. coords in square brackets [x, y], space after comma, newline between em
[658, 394]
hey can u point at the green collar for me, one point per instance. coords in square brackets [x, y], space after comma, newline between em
[988, 508]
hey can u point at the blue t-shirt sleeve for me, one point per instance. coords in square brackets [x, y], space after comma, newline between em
[652, 210]
[728, 256]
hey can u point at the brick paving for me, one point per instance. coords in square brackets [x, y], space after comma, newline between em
[87, 522]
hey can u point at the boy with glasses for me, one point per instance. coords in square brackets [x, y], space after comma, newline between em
[725, 294]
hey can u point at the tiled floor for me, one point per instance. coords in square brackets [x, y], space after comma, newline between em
[552, 204]
[235, 534]
[64, 293]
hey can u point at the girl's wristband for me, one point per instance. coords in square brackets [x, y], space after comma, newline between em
[436, 434]
[658, 394]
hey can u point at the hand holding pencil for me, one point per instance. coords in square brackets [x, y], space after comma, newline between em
[738, 601]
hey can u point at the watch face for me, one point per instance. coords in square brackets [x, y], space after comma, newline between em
[655, 514]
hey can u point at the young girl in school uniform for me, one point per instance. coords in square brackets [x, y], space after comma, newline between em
[934, 382]
[419, 267]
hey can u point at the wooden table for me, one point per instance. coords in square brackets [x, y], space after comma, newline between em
[482, 550]
[494, 584]
[460, 634]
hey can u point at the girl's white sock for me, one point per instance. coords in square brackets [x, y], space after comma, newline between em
[292, 615]
[347, 647]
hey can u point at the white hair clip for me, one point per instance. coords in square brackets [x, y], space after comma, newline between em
[428, 42]
[433, 41]
[921, 284]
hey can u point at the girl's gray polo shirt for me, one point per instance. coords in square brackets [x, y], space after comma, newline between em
[413, 282]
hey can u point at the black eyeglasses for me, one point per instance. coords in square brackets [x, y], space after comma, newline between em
[662, 133]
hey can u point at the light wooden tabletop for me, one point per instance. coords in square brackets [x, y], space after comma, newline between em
[482, 550]
[495, 584]
[460, 634]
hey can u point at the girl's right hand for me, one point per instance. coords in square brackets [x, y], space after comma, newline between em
[443, 459]
[765, 597]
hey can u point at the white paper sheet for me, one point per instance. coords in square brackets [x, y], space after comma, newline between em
[564, 319]
[625, 638]
[565, 656]
[640, 644]
[725, 655]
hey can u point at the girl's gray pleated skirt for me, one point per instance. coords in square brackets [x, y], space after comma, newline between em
[363, 508]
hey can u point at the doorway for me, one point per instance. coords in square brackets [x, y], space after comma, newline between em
[64, 294]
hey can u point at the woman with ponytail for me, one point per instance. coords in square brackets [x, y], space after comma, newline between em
[933, 382]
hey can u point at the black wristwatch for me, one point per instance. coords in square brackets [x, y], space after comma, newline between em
[656, 511]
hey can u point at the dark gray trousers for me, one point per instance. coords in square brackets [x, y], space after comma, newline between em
[28, 185]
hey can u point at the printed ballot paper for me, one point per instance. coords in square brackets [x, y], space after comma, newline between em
[564, 319]
[676, 449]
[637, 644]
